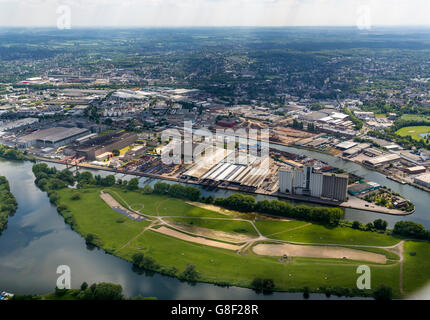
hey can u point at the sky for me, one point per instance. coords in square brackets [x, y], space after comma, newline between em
[143, 13]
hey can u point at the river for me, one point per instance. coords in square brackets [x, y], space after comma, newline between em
[37, 241]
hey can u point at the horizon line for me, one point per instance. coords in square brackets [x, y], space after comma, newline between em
[219, 26]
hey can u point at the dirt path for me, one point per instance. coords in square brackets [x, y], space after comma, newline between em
[211, 233]
[299, 227]
[137, 236]
[401, 250]
[199, 240]
[158, 207]
[308, 251]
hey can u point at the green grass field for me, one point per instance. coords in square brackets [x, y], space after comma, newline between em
[414, 117]
[416, 266]
[380, 116]
[230, 226]
[124, 237]
[321, 234]
[218, 265]
[94, 216]
[414, 132]
[269, 227]
[155, 205]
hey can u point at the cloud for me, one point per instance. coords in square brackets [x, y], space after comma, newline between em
[214, 12]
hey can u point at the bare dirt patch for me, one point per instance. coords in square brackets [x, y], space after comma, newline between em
[111, 202]
[210, 233]
[199, 240]
[212, 208]
[292, 250]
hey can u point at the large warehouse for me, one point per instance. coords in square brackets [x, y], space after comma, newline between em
[382, 160]
[95, 147]
[52, 137]
[423, 180]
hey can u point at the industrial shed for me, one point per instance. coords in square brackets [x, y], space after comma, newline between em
[52, 137]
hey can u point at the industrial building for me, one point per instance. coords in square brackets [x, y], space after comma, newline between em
[206, 163]
[416, 170]
[242, 170]
[93, 148]
[318, 185]
[52, 137]
[20, 123]
[351, 152]
[346, 145]
[381, 160]
[364, 187]
[423, 180]
[335, 186]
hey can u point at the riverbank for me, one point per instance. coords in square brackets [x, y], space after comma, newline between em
[182, 254]
[172, 253]
[37, 234]
[8, 204]
[358, 205]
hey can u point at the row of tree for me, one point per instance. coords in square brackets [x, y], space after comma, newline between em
[177, 191]
[411, 230]
[59, 179]
[12, 153]
[357, 122]
[247, 203]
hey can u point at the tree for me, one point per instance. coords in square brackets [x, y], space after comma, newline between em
[137, 259]
[86, 178]
[380, 224]
[383, 293]
[411, 229]
[356, 225]
[66, 176]
[116, 152]
[190, 273]
[161, 188]
[107, 291]
[133, 184]
[90, 239]
[306, 292]
[84, 286]
[60, 292]
[263, 285]
[109, 181]
[57, 184]
[147, 189]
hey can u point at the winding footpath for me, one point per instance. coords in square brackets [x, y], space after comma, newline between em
[244, 246]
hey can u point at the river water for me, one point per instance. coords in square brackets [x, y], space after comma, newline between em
[37, 241]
